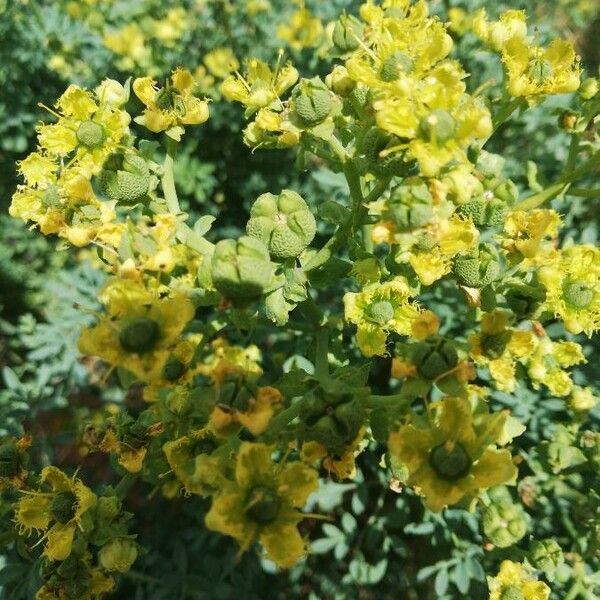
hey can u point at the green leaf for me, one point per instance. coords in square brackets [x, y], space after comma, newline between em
[10, 379]
[333, 212]
[203, 225]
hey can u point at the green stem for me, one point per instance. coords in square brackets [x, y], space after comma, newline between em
[284, 418]
[339, 149]
[168, 178]
[574, 591]
[325, 253]
[572, 157]
[141, 577]
[123, 486]
[322, 354]
[584, 193]
[393, 401]
[506, 112]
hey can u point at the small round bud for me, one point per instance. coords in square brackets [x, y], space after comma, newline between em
[339, 81]
[589, 88]
[139, 334]
[577, 295]
[476, 270]
[263, 505]
[118, 555]
[125, 178]
[91, 134]
[450, 460]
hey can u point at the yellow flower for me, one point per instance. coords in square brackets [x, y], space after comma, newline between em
[533, 70]
[90, 126]
[190, 459]
[514, 580]
[571, 277]
[171, 105]
[56, 512]
[255, 416]
[451, 458]
[140, 329]
[302, 31]
[379, 309]
[261, 504]
[221, 62]
[526, 231]
[229, 360]
[260, 87]
[343, 466]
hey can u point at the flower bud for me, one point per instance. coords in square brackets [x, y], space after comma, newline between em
[589, 88]
[241, 269]
[345, 33]
[125, 178]
[504, 522]
[118, 555]
[339, 81]
[312, 102]
[478, 269]
[283, 223]
[411, 204]
[582, 399]
[112, 93]
[567, 120]
[433, 357]
[439, 126]
[546, 555]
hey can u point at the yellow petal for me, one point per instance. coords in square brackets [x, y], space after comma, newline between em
[60, 540]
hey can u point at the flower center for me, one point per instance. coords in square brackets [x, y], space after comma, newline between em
[512, 593]
[91, 134]
[438, 126]
[450, 460]
[140, 334]
[494, 344]
[263, 504]
[577, 295]
[9, 460]
[63, 506]
[381, 312]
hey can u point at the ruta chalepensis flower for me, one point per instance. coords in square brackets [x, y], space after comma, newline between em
[515, 582]
[55, 510]
[450, 455]
[261, 504]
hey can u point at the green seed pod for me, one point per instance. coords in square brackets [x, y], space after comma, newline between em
[434, 357]
[118, 555]
[263, 504]
[546, 555]
[283, 223]
[91, 134]
[125, 178]
[477, 269]
[411, 204]
[450, 460]
[312, 102]
[108, 507]
[439, 126]
[10, 462]
[241, 269]
[345, 33]
[504, 522]
[139, 335]
[524, 299]
[483, 213]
